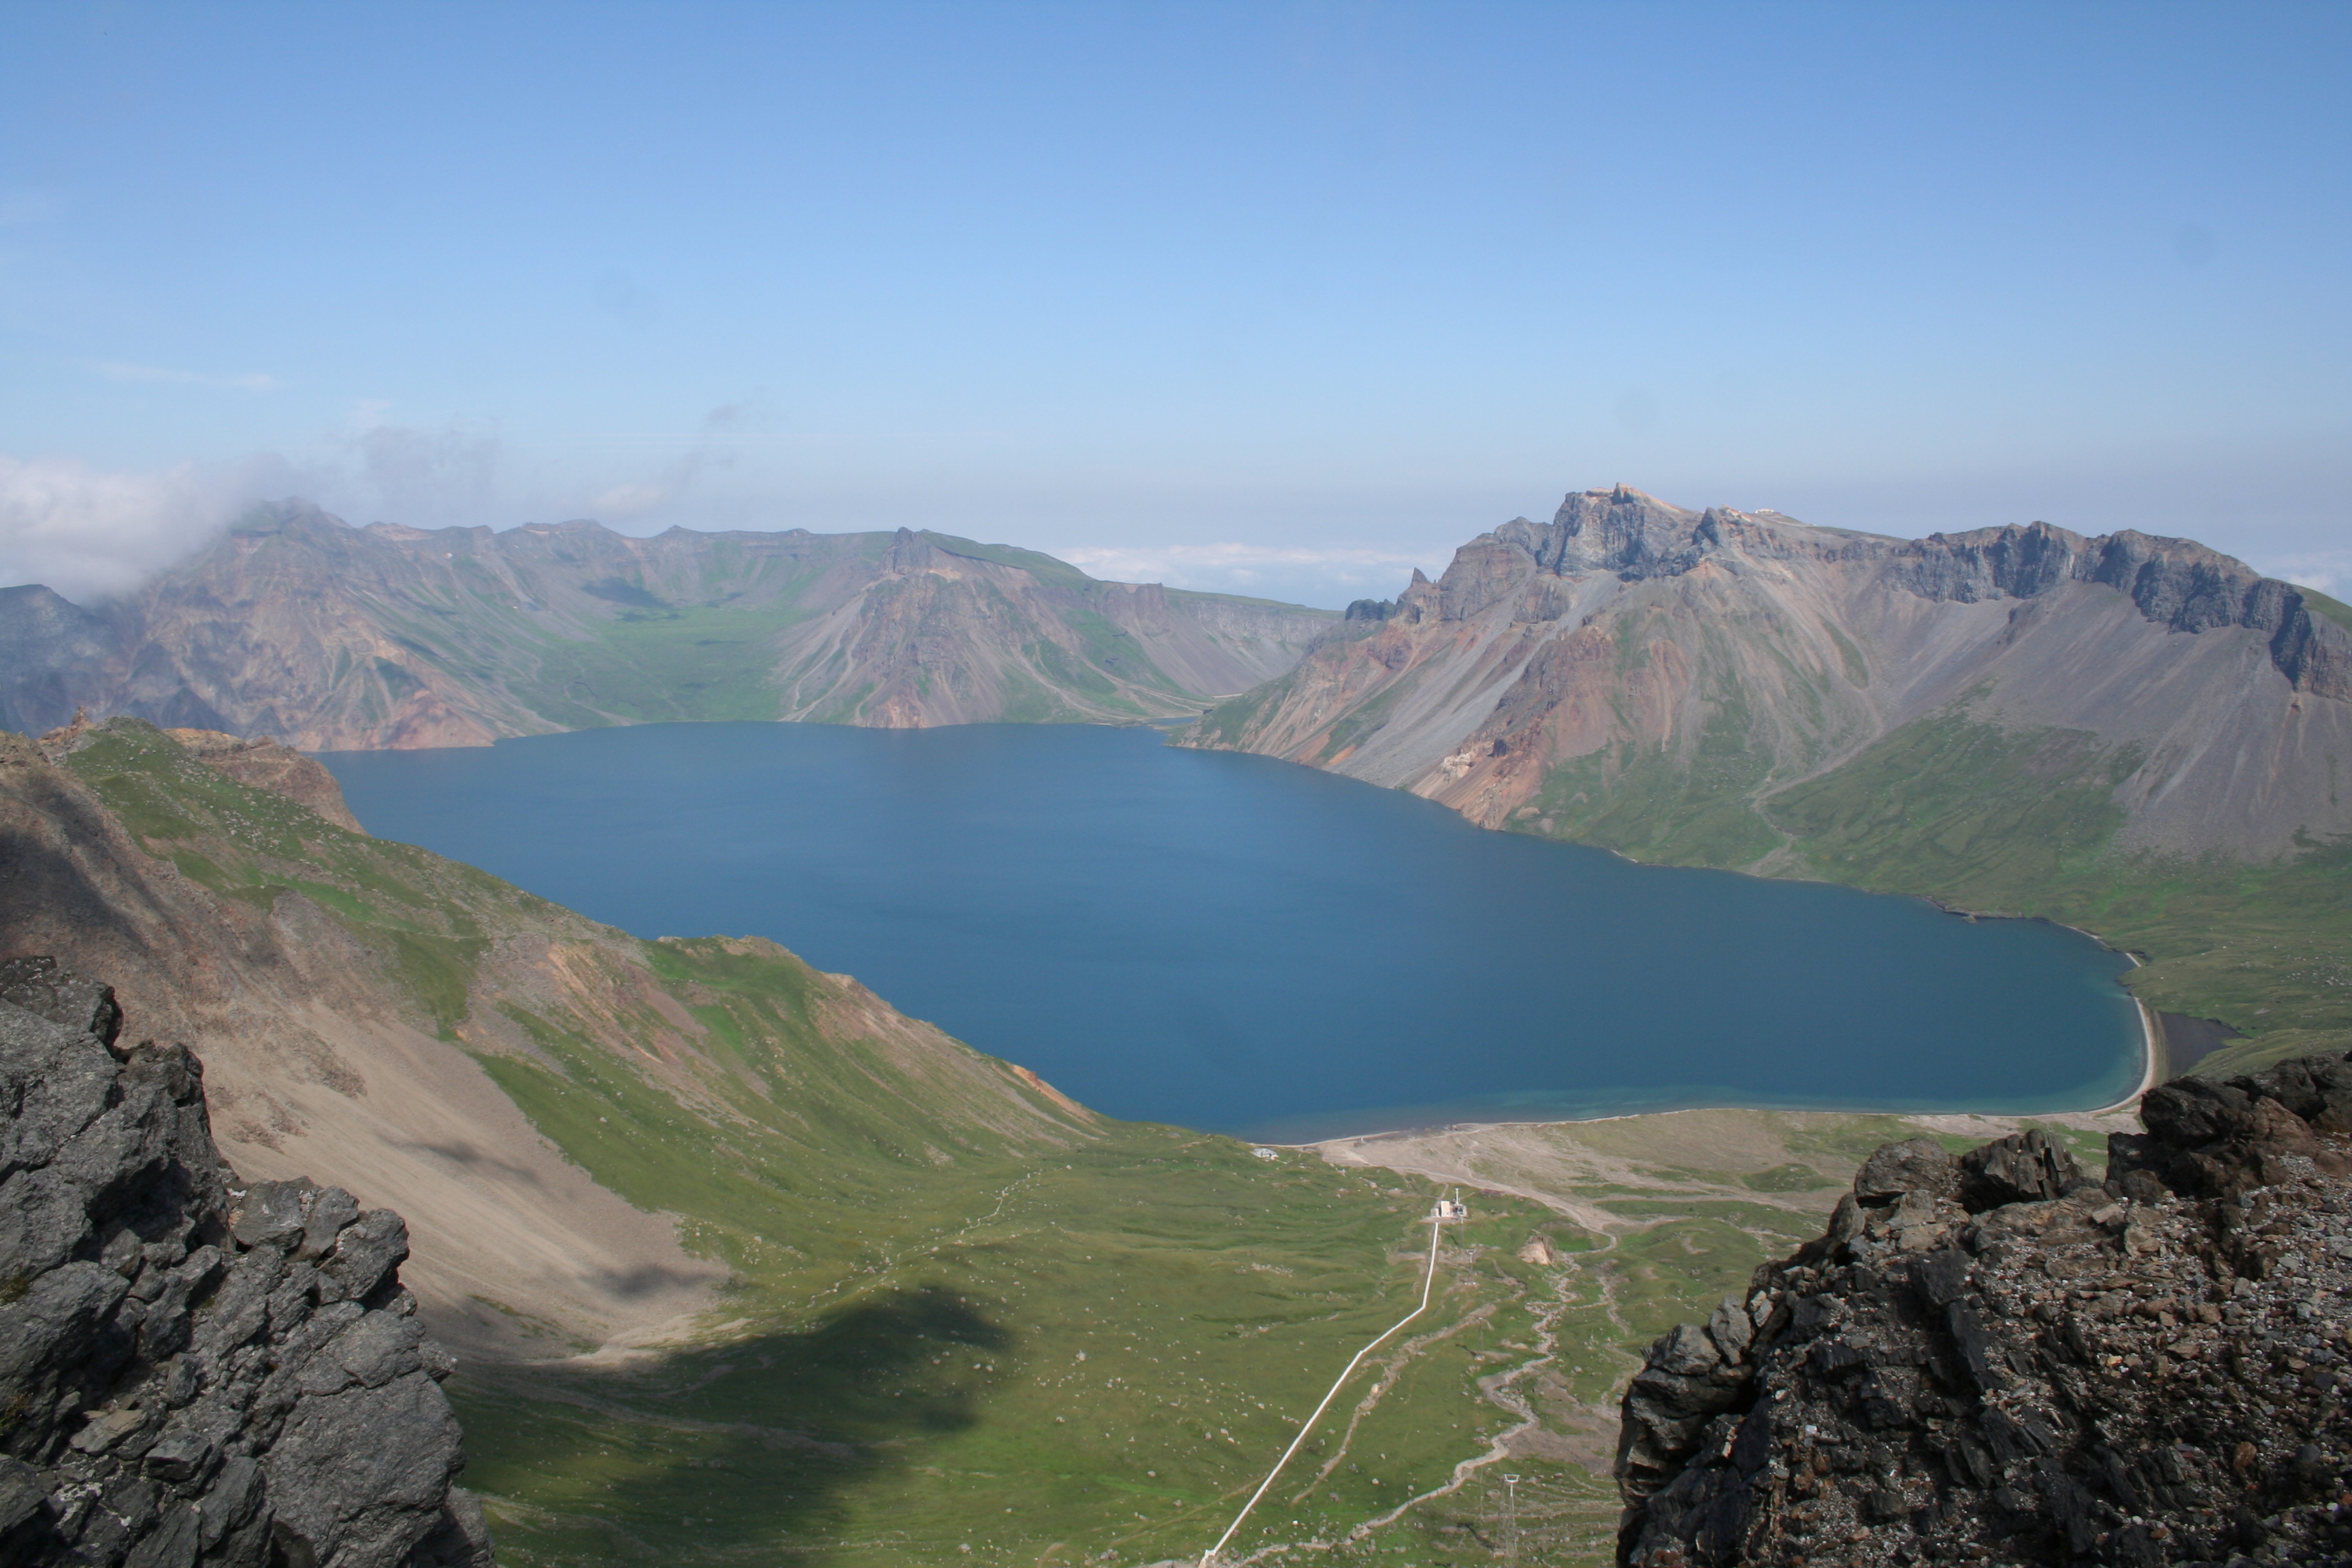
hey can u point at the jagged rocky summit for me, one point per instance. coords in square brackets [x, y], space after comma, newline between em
[1998, 1358]
[194, 1370]
[1705, 687]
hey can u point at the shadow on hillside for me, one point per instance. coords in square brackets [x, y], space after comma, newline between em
[753, 1446]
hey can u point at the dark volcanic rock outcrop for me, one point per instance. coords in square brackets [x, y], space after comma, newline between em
[194, 1370]
[1997, 1357]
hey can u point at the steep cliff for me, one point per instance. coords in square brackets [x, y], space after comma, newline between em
[1650, 678]
[195, 1368]
[1996, 1355]
[330, 638]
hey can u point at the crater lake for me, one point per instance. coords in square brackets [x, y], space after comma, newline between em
[1241, 945]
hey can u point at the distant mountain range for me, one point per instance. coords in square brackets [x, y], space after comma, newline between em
[2131, 733]
[1702, 685]
[331, 637]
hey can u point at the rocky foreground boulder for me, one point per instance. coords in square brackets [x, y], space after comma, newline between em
[196, 1369]
[1997, 1357]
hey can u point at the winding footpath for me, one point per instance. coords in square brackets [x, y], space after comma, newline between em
[1428, 1281]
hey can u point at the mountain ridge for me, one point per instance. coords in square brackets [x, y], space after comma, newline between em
[2137, 736]
[297, 626]
[1791, 650]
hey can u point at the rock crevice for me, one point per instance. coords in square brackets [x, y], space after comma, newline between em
[194, 1369]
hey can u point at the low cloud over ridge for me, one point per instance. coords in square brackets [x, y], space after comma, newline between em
[88, 533]
[1230, 568]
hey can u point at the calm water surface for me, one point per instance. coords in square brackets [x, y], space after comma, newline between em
[1241, 944]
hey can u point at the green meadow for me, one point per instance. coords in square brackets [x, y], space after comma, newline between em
[956, 1328]
[2002, 820]
[965, 1324]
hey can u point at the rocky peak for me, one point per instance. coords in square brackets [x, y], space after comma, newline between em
[1422, 600]
[1619, 529]
[2177, 583]
[1995, 1355]
[194, 1369]
[910, 552]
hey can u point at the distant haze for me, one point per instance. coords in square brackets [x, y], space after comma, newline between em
[1284, 299]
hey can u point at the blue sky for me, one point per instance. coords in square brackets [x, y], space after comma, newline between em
[1279, 297]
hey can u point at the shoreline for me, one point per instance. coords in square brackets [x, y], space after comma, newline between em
[2152, 1048]
[2152, 1042]
[2151, 1054]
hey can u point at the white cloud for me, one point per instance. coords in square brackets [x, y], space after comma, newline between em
[628, 502]
[2329, 570]
[252, 380]
[1237, 568]
[87, 533]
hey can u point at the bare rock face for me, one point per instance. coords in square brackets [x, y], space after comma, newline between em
[1996, 1357]
[194, 1370]
[1651, 677]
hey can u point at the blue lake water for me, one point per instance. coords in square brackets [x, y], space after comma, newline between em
[1244, 945]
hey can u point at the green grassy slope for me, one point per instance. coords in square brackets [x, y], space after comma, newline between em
[651, 665]
[1099, 1352]
[959, 1312]
[2023, 822]
[2001, 820]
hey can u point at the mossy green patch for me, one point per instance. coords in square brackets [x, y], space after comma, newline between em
[2336, 610]
[1647, 803]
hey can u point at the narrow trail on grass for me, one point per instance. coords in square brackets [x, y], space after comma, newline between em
[1428, 1282]
[1395, 1369]
[861, 1275]
[1497, 1388]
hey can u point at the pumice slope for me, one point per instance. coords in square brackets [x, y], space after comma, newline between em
[194, 1368]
